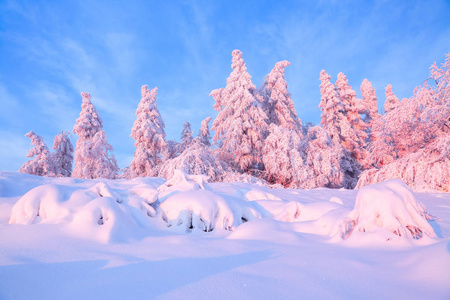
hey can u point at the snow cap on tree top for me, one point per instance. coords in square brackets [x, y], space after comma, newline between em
[146, 92]
[237, 54]
[281, 65]
[86, 96]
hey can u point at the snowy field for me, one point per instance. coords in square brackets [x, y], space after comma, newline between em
[146, 238]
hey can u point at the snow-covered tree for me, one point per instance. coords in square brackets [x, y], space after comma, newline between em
[197, 159]
[105, 165]
[352, 109]
[332, 108]
[278, 104]
[391, 100]
[172, 149]
[370, 102]
[327, 163]
[62, 157]
[92, 152]
[418, 130]
[149, 135]
[426, 170]
[186, 137]
[281, 156]
[335, 122]
[41, 164]
[370, 109]
[204, 136]
[239, 126]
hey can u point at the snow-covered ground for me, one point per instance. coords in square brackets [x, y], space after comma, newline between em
[146, 238]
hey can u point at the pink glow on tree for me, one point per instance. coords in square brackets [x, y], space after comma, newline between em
[352, 108]
[281, 156]
[331, 106]
[278, 104]
[333, 117]
[327, 163]
[419, 130]
[240, 123]
[370, 102]
[149, 135]
[41, 164]
[105, 165]
[391, 100]
[371, 106]
[203, 134]
[186, 137]
[92, 151]
[62, 158]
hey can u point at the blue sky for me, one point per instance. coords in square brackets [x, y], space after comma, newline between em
[50, 51]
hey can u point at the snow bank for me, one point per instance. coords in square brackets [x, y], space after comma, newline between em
[187, 203]
[98, 212]
[45, 202]
[390, 205]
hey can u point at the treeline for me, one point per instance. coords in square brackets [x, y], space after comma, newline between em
[259, 137]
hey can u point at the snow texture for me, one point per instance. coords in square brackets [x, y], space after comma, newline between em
[185, 237]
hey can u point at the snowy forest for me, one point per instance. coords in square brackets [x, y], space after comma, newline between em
[259, 138]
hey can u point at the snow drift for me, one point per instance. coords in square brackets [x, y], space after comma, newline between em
[115, 238]
[390, 205]
[187, 203]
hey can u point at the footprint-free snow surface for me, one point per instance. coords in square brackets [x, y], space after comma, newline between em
[185, 238]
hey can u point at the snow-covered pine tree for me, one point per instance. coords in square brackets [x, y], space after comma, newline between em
[281, 156]
[339, 129]
[352, 108]
[149, 135]
[371, 107]
[332, 108]
[278, 104]
[91, 148]
[239, 127]
[204, 135]
[197, 159]
[370, 102]
[280, 152]
[62, 157]
[327, 163]
[41, 164]
[186, 137]
[391, 100]
[172, 149]
[105, 164]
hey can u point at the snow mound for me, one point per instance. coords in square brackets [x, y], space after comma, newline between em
[256, 194]
[290, 212]
[43, 203]
[97, 212]
[205, 211]
[102, 189]
[182, 182]
[392, 206]
[105, 220]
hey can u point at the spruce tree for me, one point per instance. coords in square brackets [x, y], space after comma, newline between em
[239, 127]
[41, 164]
[93, 154]
[63, 156]
[149, 135]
